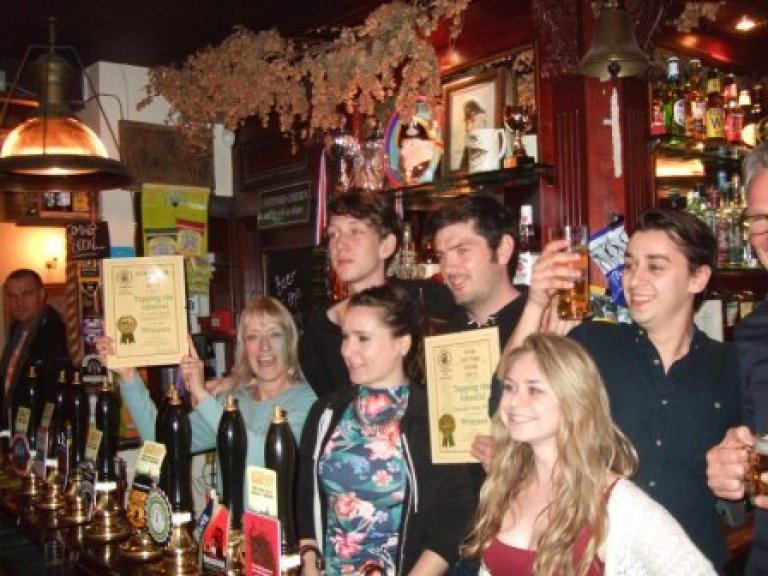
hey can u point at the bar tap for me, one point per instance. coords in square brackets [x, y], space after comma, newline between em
[232, 445]
[76, 510]
[280, 455]
[26, 416]
[76, 411]
[181, 552]
[109, 523]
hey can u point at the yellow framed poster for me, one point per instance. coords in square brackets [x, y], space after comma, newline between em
[145, 310]
[459, 369]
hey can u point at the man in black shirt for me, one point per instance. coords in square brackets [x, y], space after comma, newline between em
[363, 236]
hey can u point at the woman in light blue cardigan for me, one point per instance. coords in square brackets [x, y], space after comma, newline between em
[266, 373]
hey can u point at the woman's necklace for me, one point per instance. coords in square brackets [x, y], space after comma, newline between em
[377, 409]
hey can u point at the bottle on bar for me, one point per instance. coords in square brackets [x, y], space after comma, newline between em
[280, 455]
[232, 445]
[715, 115]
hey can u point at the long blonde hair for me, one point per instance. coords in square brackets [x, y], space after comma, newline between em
[588, 444]
[266, 307]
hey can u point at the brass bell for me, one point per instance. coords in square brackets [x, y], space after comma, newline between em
[615, 52]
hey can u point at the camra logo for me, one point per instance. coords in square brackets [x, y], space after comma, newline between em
[124, 277]
[444, 359]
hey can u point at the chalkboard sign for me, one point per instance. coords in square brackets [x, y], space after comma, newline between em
[289, 279]
[87, 241]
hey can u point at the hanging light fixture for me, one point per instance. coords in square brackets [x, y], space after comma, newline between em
[615, 52]
[52, 150]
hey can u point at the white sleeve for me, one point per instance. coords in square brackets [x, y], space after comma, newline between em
[645, 540]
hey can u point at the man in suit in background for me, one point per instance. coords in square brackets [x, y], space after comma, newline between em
[37, 337]
[727, 463]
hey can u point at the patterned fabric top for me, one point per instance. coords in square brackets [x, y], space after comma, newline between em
[364, 475]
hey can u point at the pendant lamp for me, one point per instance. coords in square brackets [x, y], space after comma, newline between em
[615, 52]
[52, 150]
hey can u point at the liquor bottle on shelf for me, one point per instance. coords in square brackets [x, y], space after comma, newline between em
[715, 116]
[674, 103]
[528, 247]
[657, 110]
[406, 257]
[734, 115]
[428, 264]
[753, 115]
[695, 102]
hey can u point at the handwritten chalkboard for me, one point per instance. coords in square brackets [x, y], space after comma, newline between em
[86, 241]
[289, 279]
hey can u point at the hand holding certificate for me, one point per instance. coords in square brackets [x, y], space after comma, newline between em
[145, 311]
[459, 368]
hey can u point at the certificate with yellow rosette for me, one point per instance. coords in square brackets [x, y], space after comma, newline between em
[459, 368]
[145, 310]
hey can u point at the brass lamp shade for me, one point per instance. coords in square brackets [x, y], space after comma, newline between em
[615, 52]
[52, 150]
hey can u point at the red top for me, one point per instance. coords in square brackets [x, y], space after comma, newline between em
[503, 560]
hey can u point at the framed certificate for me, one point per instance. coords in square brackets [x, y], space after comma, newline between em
[459, 368]
[145, 310]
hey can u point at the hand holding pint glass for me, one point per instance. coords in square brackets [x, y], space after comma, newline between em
[758, 464]
[573, 303]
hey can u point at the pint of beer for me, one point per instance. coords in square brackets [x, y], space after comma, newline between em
[573, 304]
[758, 465]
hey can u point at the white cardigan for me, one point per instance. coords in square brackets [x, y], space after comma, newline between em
[645, 540]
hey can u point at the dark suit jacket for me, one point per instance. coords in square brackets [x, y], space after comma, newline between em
[46, 349]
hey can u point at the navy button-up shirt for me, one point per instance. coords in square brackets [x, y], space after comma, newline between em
[672, 419]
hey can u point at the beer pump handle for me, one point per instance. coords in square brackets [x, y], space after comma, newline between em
[177, 436]
[232, 444]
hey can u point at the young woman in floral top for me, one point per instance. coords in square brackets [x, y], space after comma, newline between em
[368, 492]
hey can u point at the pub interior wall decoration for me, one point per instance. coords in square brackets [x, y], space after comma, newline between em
[160, 154]
[388, 58]
[175, 221]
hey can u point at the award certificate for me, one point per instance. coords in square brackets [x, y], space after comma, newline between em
[459, 368]
[145, 310]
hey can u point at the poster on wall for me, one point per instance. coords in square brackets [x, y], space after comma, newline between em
[175, 222]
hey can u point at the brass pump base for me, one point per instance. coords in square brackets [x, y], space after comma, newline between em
[140, 547]
[109, 523]
[180, 556]
[76, 510]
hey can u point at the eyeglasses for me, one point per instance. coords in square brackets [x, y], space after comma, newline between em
[757, 223]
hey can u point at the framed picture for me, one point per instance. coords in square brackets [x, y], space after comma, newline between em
[473, 102]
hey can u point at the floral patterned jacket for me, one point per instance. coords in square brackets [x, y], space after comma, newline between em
[440, 498]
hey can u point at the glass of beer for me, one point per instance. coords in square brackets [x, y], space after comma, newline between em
[573, 304]
[757, 465]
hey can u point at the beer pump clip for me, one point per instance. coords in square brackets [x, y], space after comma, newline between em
[142, 544]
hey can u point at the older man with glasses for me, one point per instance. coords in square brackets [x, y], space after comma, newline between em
[728, 463]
